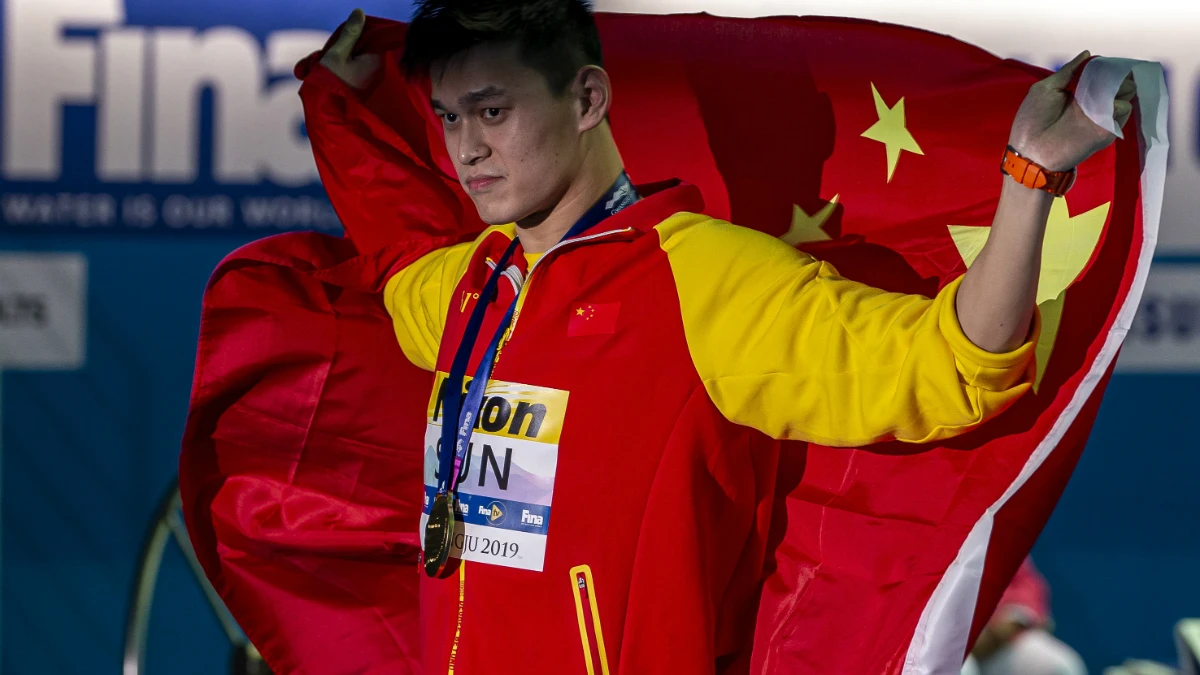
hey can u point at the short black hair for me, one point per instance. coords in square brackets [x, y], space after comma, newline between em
[555, 37]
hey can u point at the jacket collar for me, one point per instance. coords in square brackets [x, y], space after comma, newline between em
[659, 201]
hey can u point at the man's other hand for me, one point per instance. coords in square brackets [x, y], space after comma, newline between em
[1051, 129]
[355, 71]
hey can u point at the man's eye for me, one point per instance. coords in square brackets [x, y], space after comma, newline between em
[449, 118]
[491, 113]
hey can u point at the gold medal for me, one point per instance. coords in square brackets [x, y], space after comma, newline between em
[439, 531]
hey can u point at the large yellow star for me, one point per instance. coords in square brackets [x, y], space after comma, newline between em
[891, 131]
[1068, 246]
[806, 228]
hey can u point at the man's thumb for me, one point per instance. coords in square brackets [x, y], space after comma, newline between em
[351, 31]
[1063, 77]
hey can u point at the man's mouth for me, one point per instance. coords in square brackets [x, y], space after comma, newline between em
[480, 183]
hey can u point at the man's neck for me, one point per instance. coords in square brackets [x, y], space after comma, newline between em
[541, 231]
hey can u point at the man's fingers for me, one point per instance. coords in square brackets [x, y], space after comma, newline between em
[351, 30]
[1123, 105]
[354, 25]
[1121, 112]
[1063, 77]
[1128, 90]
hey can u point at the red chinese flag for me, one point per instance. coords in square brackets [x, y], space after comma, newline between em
[873, 146]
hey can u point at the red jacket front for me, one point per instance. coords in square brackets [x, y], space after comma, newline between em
[660, 505]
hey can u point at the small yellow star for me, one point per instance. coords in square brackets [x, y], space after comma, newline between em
[1068, 245]
[579, 311]
[891, 131]
[806, 228]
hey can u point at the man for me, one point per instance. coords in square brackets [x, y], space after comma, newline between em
[643, 364]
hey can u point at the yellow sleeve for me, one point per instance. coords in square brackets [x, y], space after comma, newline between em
[418, 299]
[786, 346]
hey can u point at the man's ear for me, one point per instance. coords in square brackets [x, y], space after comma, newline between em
[593, 92]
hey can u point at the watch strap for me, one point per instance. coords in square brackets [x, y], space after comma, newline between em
[1035, 176]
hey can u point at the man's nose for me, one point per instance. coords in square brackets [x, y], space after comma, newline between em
[471, 145]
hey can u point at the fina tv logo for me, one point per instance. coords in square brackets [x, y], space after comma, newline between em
[145, 84]
[494, 512]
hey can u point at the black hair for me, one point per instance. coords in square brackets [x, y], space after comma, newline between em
[555, 37]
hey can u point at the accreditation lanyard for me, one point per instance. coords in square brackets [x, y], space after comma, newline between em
[464, 409]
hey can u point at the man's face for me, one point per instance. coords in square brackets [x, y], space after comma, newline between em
[515, 145]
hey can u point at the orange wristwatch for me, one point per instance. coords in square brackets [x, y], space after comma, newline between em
[1034, 176]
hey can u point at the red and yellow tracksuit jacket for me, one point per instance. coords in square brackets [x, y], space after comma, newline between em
[618, 493]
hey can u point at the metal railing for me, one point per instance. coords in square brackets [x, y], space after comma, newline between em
[167, 526]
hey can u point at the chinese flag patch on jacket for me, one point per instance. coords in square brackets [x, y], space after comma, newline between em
[593, 318]
[869, 145]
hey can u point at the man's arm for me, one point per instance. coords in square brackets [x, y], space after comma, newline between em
[785, 345]
[382, 192]
[997, 299]
[367, 143]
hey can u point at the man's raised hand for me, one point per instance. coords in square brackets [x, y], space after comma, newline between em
[355, 71]
[1051, 129]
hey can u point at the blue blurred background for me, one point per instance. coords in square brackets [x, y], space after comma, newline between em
[87, 451]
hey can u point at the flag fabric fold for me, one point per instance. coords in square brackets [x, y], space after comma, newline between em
[873, 146]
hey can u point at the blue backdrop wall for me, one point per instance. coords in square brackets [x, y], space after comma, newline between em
[87, 453]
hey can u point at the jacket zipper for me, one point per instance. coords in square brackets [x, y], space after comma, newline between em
[462, 598]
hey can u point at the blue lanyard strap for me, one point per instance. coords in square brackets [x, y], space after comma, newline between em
[450, 456]
[455, 440]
